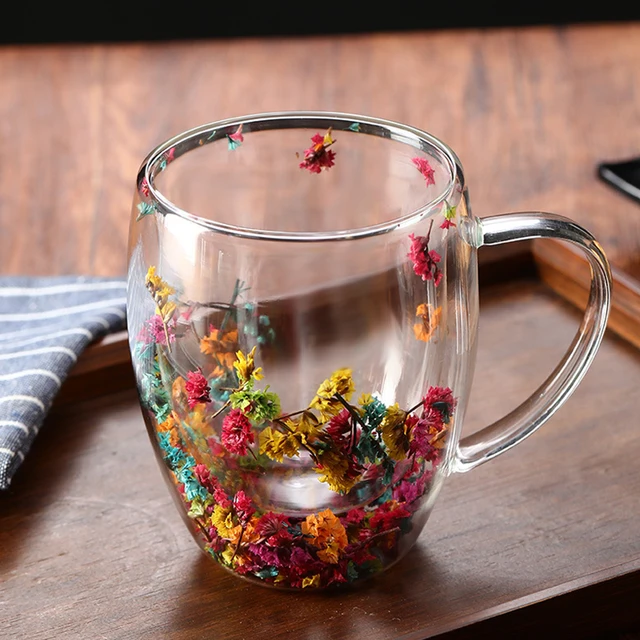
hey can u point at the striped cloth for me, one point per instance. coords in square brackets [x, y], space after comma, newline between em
[45, 323]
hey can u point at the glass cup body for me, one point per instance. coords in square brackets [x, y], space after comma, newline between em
[303, 327]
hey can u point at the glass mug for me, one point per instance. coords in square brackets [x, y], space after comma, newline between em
[302, 311]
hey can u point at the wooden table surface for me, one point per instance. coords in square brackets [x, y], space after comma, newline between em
[543, 540]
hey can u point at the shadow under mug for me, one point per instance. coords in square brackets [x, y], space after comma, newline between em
[302, 309]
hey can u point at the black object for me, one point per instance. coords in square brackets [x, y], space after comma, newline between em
[43, 21]
[623, 176]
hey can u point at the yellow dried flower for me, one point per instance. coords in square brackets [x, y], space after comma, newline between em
[277, 445]
[245, 367]
[337, 472]
[330, 553]
[312, 581]
[222, 520]
[340, 382]
[160, 291]
[307, 425]
[393, 432]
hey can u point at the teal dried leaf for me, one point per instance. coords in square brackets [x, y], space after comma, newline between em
[145, 209]
[269, 572]
[354, 126]
[352, 572]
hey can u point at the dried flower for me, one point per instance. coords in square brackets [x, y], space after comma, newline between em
[243, 507]
[440, 400]
[274, 528]
[388, 516]
[160, 291]
[449, 217]
[259, 406]
[340, 383]
[318, 156]
[423, 166]
[311, 581]
[237, 433]
[245, 367]
[394, 433]
[326, 532]
[153, 331]
[197, 389]
[306, 424]
[429, 321]
[339, 470]
[145, 209]
[277, 445]
[425, 262]
[355, 127]
[222, 346]
[234, 140]
[204, 477]
[222, 520]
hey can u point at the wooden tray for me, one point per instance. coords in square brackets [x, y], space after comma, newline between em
[540, 543]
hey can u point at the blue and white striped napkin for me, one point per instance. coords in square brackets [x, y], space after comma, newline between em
[45, 324]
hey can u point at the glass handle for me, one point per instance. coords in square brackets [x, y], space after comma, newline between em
[495, 439]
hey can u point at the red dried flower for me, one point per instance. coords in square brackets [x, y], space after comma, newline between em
[423, 166]
[354, 516]
[274, 528]
[144, 187]
[425, 262]
[388, 516]
[197, 389]
[340, 430]
[243, 507]
[237, 434]
[235, 139]
[440, 400]
[447, 224]
[318, 156]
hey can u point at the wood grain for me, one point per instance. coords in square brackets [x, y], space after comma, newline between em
[90, 534]
[529, 111]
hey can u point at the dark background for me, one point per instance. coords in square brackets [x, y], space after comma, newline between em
[60, 21]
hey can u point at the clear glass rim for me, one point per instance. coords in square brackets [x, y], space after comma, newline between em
[301, 119]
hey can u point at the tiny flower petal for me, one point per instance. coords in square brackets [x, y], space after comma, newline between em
[423, 166]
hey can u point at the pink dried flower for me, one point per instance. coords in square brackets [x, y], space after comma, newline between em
[197, 389]
[235, 139]
[204, 477]
[425, 262]
[144, 187]
[243, 507]
[421, 445]
[237, 434]
[423, 166]
[318, 156]
[447, 224]
[220, 496]
[153, 332]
